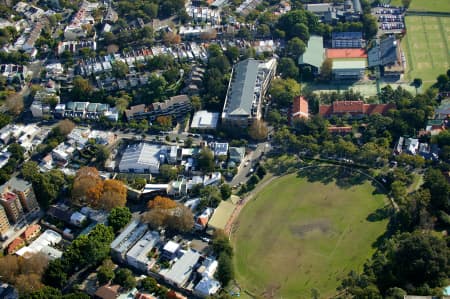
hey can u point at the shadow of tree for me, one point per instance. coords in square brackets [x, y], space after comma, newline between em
[344, 177]
[380, 214]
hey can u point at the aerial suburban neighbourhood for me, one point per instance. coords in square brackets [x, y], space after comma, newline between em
[161, 149]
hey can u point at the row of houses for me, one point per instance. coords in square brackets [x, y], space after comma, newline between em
[138, 247]
[78, 27]
[176, 106]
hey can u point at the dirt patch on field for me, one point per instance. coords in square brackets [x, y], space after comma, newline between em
[423, 65]
[321, 225]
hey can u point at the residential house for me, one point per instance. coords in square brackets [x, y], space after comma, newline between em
[202, 220]
[171, 250]
[237, 154]
[15, 245]
[180, 272]
[31, 232]
[44, 244]
[127, 238]
[107, 291]
[137, 257]
[175, 107]
[249, 82]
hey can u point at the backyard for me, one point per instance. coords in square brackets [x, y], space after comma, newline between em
[426, 47]
[307, 231]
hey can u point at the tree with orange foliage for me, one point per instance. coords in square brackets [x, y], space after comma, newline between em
[164, 121]
[86, 180]
[89, 188]
[114, 195]
[171, 38]
[167, 213]
[161, 202]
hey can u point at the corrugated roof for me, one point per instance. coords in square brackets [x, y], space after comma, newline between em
[241, 94]
[315, 53]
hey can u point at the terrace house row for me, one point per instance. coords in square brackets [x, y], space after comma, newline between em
[175, 107]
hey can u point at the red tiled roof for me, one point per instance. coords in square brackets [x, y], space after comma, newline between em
[143, 296]
[339, 130]
[107, 291]
[300, 107]
[378, 108]
[9, 196]
[14, 245]
[346, 53]
[348, 107]
[30, 231]
[203, 221]
[354, 107]
[325, 110]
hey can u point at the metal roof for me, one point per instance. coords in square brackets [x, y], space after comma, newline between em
[241, 94]
[315, 53]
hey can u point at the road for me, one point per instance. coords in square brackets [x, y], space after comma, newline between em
[243, 171]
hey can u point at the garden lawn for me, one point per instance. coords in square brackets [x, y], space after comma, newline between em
[426, 47]
[298, 235]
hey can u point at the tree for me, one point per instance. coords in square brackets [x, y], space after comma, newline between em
[149, 284]
[205, 160]
[14, 104]
[125, 278]
[284, 91]
[85, 179]
[301, 31]
[439, 189]
[164, 121]
[232, 53]
[413, 260]
[64, 127]
[370, 26]
[221, 243]
[225, 191]
[287, 68]
[295, 47]
[118, 218]
[171, 38]
[120, 69]
[25, 275]
[406, 3]
[81, 88]
[114, 194]
[210, 197]
[263, 30]
[161, 202]
[258, 130]
[55, 275]
[182, 220]
[106, 272]
[16, 151]
[326, 70]
[168, 172]
[225, 272]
